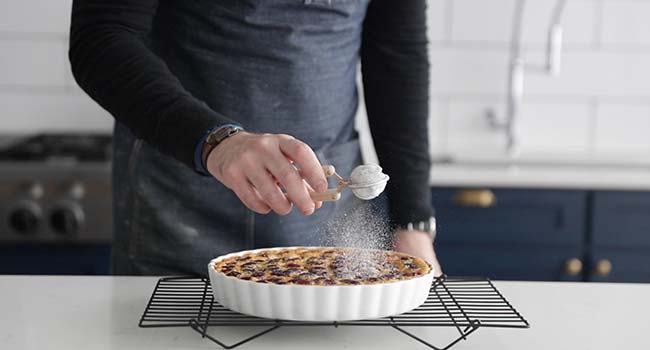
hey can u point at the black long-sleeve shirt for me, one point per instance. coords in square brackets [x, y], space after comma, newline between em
[112, 63]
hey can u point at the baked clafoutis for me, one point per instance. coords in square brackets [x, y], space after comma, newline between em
[323, 266]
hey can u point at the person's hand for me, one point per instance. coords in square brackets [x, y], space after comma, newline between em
[417, 243]
[258, 166]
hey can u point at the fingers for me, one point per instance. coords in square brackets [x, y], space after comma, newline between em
[269, 191]
[258, 167]
[317, 204]
[248, 195]
[252, 199]
[292, 182]
[310, 168]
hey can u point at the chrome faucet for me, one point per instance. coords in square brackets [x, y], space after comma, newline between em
[518, 68]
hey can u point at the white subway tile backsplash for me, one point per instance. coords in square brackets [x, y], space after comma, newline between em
[546, 128]
[468, 130]
[542, 128]
[578, 21]
[584, 73]
[35, 16]
[626, 23]
[38, 63]
[468, 71]
[56, 111]
[596, 73]
[623, 129]
[437, 127]
[480, 20]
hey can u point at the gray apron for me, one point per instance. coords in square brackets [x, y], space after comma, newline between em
[275, 66]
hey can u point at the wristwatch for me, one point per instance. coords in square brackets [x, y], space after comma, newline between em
[428, 226]
[216, 137]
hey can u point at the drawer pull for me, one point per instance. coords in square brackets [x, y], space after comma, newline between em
[475, 198]
[603, 267]
[573, 267]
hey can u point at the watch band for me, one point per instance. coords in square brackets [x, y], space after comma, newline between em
[426, 226]
[217, 136]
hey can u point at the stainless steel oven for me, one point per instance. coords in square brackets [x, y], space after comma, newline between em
[55, 204]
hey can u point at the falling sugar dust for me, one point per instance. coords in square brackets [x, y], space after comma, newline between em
[364, 225]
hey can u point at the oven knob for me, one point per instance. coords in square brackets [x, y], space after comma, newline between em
[77, 190]
[34, 190]
[66, 219]
[24, 219]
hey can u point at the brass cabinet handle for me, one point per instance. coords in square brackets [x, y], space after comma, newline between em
[481, 198]
[573, 267]
[603, 267]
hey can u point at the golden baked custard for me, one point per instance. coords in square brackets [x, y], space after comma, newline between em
[323, 266]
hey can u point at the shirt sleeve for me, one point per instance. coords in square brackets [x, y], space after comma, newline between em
[112, 63]
[395, 69]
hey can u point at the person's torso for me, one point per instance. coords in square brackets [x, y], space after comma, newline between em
[275, 66]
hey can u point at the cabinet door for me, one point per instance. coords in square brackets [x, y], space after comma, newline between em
[621, 220]
[508, 263]
[617, 265]
[516, 217]
[518, 234]
[619, 242]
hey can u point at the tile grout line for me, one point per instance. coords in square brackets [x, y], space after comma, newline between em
[25, 89]
[494, 45]
[33, 36]
[642, 100]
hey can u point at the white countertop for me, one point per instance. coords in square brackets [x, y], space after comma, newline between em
[103, 313]
[553, 176]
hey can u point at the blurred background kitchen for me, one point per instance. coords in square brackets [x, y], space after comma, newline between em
[539, 129]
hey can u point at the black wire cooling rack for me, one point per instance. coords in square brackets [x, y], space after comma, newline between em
[466, 304]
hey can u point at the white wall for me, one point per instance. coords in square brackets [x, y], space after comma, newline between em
[600, 105]
[37, 91]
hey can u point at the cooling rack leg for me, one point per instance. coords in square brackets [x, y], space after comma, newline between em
[416, 338]
[463, 336]
[203, 331]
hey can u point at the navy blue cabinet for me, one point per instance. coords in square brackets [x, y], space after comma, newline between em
[508, 262]
[621, 220]
[514, 217]
[619, 239]
[53, 259]
[510, 233]
[530, 234]
[618, 265]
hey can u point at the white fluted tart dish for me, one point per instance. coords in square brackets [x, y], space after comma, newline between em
[320, 283]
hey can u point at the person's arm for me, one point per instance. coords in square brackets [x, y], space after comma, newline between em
[395, 69]
[112, 63]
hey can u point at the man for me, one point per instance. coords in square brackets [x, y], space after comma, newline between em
[226, 110]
